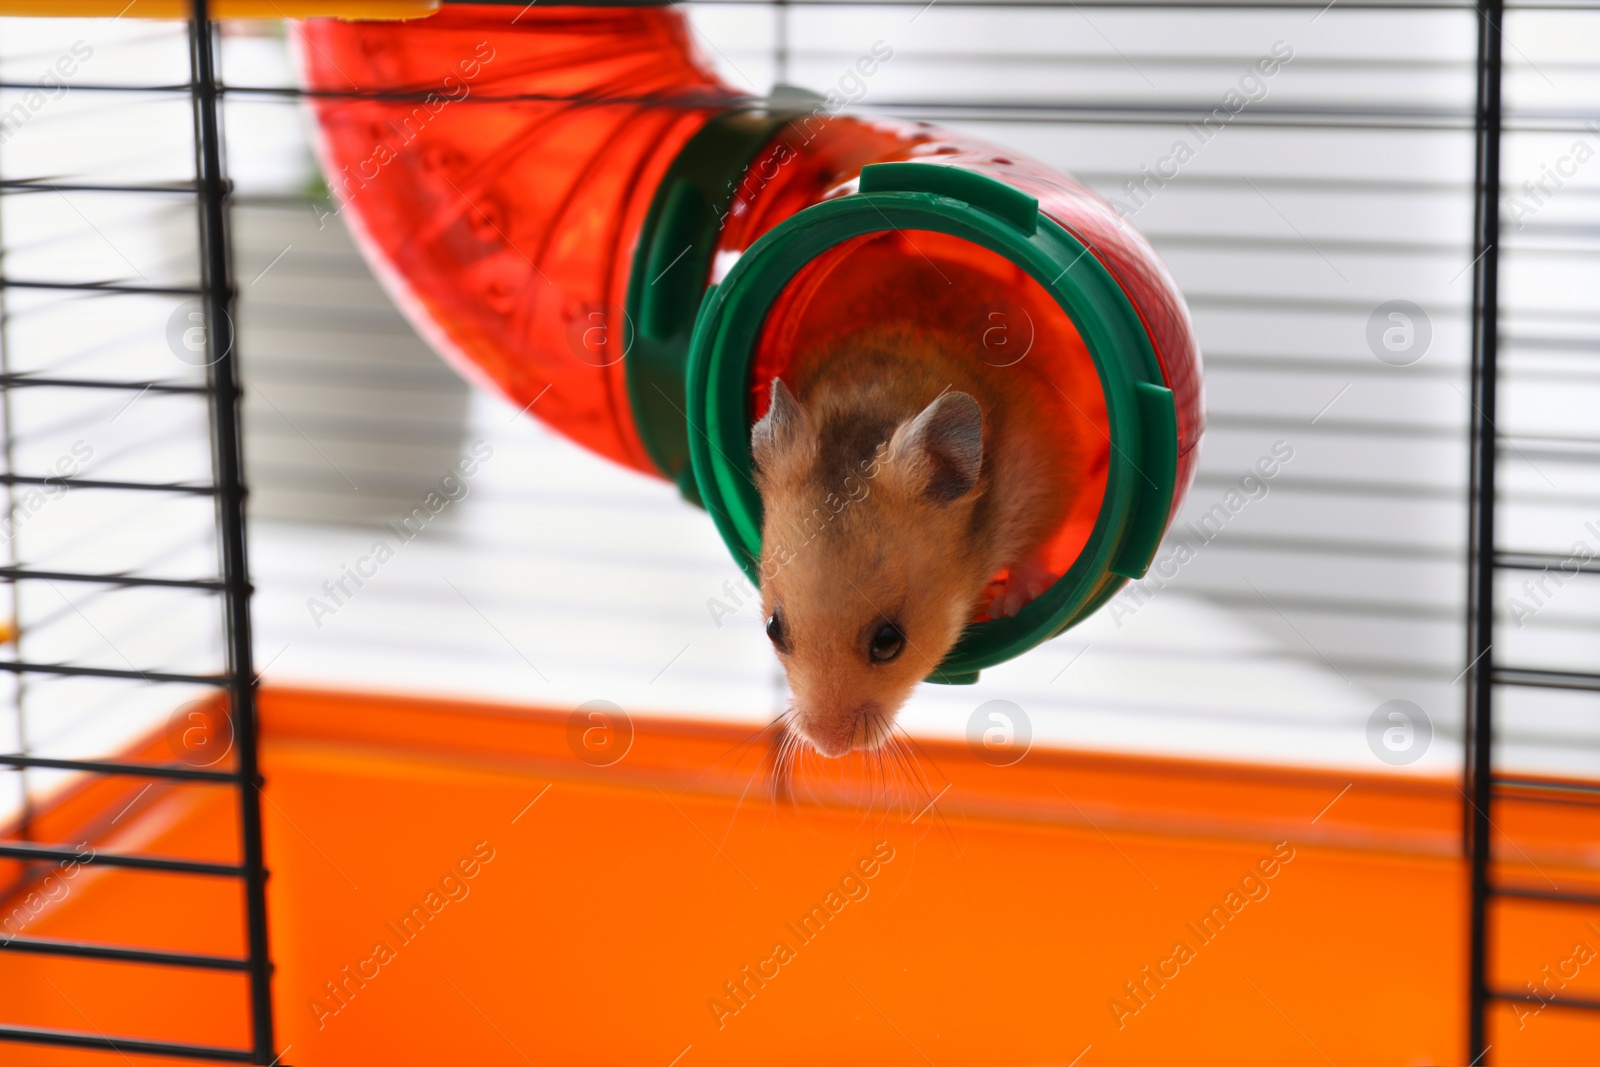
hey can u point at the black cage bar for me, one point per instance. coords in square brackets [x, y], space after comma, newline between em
[236, 682]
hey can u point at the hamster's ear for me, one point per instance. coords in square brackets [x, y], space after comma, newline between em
[945, 443]
[779, 428]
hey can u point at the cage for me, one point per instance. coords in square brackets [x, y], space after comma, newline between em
[468, 760]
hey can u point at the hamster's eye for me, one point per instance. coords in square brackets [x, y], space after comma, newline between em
[776, 633]
[886, 643]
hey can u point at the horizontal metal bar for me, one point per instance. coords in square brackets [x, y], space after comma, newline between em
[18, 574]
[1576, 1003]
[103, 287]
[1153, 5]
[1580, 788]
[10, 380]
[22, 850]
[1554, 896]
[1319, 366]
[1368, 428]
[108, 87]
[173, 772]
[1539, 561]
[89, 950]
[1586, 456]
[1348, 487]
[978, 54]
[1545, 679]
[1336, 546]
[1066, 111]
[68, 669]
[1264, 243]
[1079, 111]
[35, 1035]
[1199, 111]
[1076, 111]
[1568, 344]
[91, 483]
[36, 185]
[1156, 5]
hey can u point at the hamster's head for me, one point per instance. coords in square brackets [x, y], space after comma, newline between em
[868, 573]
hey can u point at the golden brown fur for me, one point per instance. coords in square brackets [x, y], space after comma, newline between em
[879, 509]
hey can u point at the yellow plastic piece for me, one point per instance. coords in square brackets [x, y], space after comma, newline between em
[222, 9]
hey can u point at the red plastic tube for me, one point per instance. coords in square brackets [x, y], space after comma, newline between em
[575, 211]
[505, 230]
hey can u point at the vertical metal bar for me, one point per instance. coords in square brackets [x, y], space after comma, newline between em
[1481, 530]
[780, 42]
[228, 464]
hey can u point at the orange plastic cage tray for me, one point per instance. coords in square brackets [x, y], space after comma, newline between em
[450, 883]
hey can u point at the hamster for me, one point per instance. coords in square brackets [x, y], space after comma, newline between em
[898, 476]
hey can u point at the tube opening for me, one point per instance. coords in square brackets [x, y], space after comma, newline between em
[938, 290]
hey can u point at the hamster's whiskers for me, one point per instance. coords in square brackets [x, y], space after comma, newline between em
[781, 782]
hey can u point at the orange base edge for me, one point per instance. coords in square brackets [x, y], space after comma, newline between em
[643, 889]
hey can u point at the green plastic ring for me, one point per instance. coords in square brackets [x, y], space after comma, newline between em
[668, 276]
[971, 206]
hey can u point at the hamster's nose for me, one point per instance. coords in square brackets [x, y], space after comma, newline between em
[835, 733]
[830, 735]
[831, 746]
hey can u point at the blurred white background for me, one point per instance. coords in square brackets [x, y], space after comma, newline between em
[560, 578]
